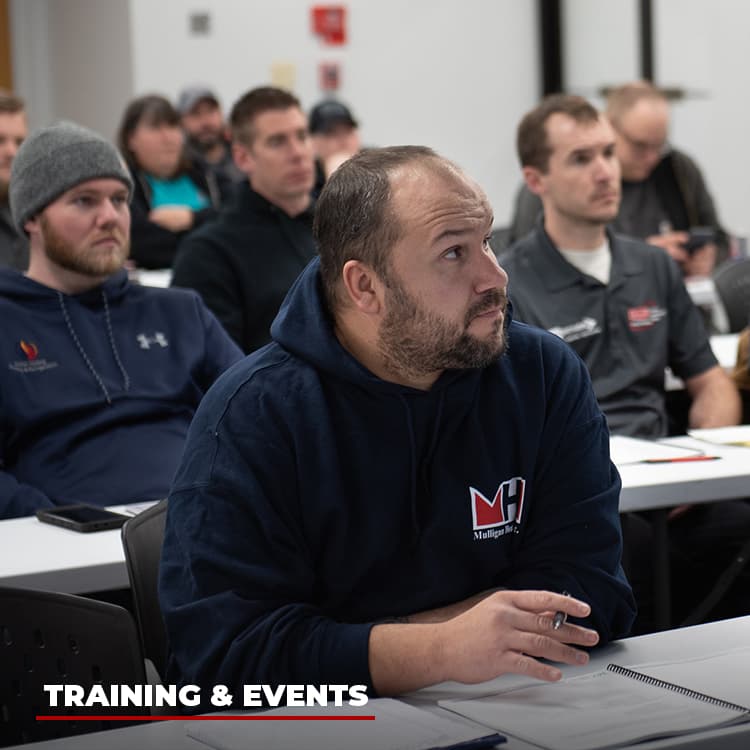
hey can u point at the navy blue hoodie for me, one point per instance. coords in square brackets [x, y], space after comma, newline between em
[315, 499]
[97, 390]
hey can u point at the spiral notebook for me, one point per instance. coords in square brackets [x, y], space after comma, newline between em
[614, 707]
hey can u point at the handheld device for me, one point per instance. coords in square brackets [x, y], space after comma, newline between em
[698, 237]
[82, 517]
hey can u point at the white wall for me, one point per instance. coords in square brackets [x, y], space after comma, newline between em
[452, 74]
[703, 47]
[700, 46]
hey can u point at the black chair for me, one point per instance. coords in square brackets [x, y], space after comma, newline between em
[732, 282]
[142, 538]
[48, 638]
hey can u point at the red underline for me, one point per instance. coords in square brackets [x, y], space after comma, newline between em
[239, 717]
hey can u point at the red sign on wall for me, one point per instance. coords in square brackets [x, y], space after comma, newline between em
[329, 23]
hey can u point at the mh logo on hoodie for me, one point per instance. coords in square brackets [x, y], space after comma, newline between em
[502, 514]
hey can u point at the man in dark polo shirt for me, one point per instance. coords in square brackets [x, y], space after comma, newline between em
[243, 263]
[622, 305]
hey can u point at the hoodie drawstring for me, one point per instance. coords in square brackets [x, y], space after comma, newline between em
[110, 336]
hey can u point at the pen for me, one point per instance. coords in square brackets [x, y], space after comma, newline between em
[680, 460]
[560, 617]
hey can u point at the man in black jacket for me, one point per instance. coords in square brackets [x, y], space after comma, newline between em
[243, 263]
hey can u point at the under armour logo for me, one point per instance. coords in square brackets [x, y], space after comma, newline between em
[145, 342]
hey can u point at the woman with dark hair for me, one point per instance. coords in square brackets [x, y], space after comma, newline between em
[171, 197]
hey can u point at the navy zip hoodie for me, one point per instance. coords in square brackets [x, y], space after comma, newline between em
[315, 499]
[97, 390]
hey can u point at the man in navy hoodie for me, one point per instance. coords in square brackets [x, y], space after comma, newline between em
[397, 490]
[100, 378]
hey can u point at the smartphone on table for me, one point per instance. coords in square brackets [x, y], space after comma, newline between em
[82, 517]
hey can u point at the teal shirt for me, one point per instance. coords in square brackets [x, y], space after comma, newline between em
[181, 191]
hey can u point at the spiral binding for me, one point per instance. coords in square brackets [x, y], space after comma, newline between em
[656, 682]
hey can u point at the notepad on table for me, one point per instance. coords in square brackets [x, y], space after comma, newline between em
[397, 726]
[613, 707]
[735, 435]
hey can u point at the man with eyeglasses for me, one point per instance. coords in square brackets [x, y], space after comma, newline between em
[664, 193]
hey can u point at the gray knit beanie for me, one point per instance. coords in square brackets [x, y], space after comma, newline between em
[55, 159]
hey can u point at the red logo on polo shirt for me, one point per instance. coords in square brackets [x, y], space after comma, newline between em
[505, 507]
[645, 316]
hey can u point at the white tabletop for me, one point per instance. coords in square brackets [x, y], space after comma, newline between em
[687, 643]
[649, 486]
[39, 555]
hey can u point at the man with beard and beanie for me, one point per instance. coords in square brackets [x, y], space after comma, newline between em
[397, 489]
[101, 377]
[622, 305]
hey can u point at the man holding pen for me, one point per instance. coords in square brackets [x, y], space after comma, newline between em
[395, 490]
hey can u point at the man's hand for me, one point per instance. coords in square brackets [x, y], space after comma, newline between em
[673, 243]
[700, 263]
[508, 631]
[174, 218]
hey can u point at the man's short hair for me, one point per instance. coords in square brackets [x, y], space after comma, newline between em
[622, 99]
[255, 102]
[354, 217]
[10, 104]
[531, 137]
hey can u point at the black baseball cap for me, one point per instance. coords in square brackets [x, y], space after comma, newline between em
[325, 115]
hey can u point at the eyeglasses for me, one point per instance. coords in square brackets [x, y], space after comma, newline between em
[645, 147]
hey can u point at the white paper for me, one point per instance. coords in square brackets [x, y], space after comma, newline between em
[626, 450]
[597, 710]
[397, 726]
[735, 435]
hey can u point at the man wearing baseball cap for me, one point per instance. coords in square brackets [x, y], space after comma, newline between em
[206, 139]
[99, 378]
[335, 137]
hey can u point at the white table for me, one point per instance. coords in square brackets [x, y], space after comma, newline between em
[39, 555]
[655, 488]
[702, 640]
[652, 486]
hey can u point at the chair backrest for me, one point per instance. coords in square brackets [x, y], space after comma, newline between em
[732, 282]
[142, 538]
[48, 638]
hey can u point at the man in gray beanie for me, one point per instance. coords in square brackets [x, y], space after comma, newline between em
[102, 376]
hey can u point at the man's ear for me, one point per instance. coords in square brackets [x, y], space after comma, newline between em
[362, 287]
[31, 225]
[243, 157]
[534, 179]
